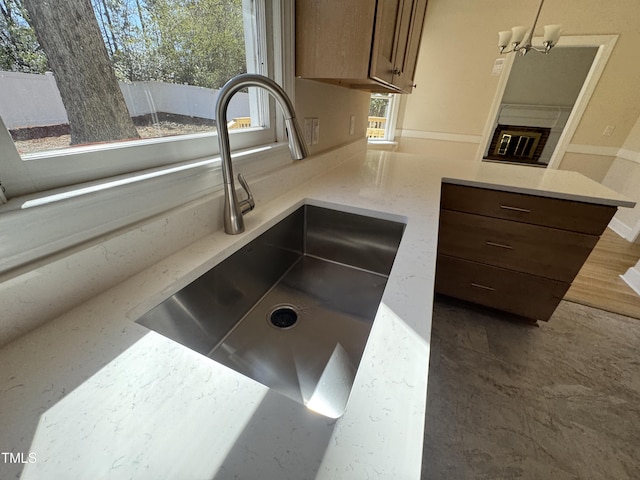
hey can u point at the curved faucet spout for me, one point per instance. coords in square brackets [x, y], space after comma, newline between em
[233, 211]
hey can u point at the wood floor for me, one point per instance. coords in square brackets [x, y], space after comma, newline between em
[598, 284]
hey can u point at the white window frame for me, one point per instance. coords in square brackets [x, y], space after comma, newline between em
[390, 124]
[42, 225]
[44, 171]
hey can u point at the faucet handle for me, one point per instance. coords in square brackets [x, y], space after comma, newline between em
[248, 204]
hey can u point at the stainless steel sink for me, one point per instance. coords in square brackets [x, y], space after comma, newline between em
[293, 308]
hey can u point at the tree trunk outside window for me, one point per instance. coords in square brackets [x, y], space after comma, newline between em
[68, 32]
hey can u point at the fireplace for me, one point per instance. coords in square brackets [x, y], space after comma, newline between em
[516, 143]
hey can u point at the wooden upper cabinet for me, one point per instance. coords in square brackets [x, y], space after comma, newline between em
[410, 58]
[364, 44]
[386, 39]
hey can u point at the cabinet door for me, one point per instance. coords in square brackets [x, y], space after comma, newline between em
[549, 212]
[333, 38]
[542, 251]
[396, 40]
[385, 39]
[526, 295]
[406, 63]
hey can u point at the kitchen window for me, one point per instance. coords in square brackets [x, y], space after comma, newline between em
[168, 57]
[383, 113]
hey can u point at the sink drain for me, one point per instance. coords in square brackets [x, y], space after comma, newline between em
[283, 316]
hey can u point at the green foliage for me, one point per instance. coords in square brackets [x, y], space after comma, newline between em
[378, 106]
[201, 41]
[19, 49]
[195, 42]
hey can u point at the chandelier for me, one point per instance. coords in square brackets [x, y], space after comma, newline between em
[520, 37]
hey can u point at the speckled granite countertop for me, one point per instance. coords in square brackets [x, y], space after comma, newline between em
[94, 395]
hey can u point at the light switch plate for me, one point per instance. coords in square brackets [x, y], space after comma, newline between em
[308, 130]
[315, 137]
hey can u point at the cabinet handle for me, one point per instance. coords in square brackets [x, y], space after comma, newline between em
[499, 245]
[484, 287]
[515, 209]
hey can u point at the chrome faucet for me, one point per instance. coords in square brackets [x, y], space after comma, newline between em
[234, 210]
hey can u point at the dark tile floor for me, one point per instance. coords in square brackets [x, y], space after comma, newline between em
[507, 400]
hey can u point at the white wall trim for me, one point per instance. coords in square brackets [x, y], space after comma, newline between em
[622, 229]
[443, 136]
[593, 150]
[601, 150]
[630, 155]
[632, 278]
[623, 153]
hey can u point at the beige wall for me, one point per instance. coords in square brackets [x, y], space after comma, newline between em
[624, 177]
[437, 148]
[456, 89]
[633, 140]
[334, 106]
[592, 166]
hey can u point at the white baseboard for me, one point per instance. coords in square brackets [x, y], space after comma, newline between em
[622, 229]
[593, 150]
[442, 136]
[630, 155]
[632, 278]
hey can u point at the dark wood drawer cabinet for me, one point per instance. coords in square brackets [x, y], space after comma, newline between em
[550, 212]
[518, 253]
[515, 292]
[544, 251]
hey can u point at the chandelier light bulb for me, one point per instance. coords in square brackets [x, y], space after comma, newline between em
[517, 34]
[503, 38]
[552, 34]
[521, 38]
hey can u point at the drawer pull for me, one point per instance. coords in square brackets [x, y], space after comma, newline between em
[515, 209]
[484, 287]
[499, 245]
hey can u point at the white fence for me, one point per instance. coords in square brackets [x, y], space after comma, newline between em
[28, 100]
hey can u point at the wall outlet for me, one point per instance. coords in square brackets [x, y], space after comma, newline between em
[315, 137]
[608, 130]
[352, 125]
[308, 130]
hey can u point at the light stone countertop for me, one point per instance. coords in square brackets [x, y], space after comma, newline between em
[94, 395]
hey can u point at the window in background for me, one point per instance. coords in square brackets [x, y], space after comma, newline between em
[109, 87]
[382, 117]
[157, 66]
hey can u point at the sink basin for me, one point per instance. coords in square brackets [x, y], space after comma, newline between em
[293, 308]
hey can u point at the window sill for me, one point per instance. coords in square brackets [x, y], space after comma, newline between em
[35, 228]
[386, 145]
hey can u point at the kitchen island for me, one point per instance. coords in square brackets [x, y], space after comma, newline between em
[92, 394]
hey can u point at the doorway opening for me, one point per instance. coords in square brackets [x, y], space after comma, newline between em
[540, 100]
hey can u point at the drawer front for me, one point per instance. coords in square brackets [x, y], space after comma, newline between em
[514, 292]
[550, 212]
[543, 251]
